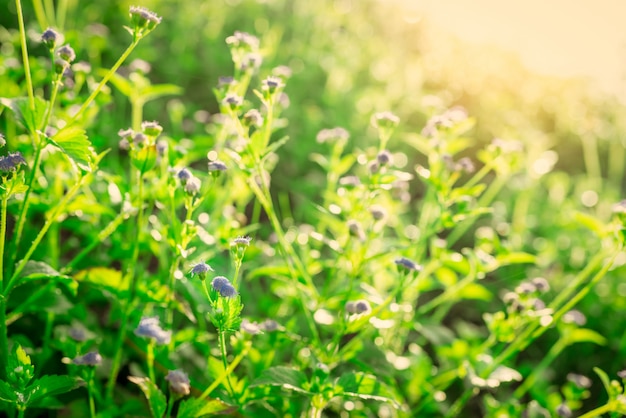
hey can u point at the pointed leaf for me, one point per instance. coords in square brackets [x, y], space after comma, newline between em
[31, 119]
[7, 394]
[285, 377]
[584, 335]
[156, 398]
[364, 386]
[38, 270]
[51, 385]
[192, 408]
[73, 142]
[159, 90]
[604, 378]
[103, 277]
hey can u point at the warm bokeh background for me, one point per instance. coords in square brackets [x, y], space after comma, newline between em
[547, 73]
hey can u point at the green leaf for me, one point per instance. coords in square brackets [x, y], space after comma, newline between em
[73, 142]
[145, 158]
[156, 398]
[192, 408]
[50, 385]
[284, 377]
[38, 270]
[7, 394]
[605, 379]
[31, 119]
[154, 92]
[516, 258]
[475, 291]
[103, 277]
[364, 386]
[584, 335]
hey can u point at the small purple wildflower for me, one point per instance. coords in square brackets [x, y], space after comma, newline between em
[385, 120]
[269, 325]
[378, 212]
[362, 306]
[232, 100]
[332, 135]
[350, 307]
[541, 284]
[49, 38]
[225, 81]
[525, 288]
[407, 264]
[582, 382]
[201, 269]
[349, 181]
[384, 157]
[563, 411]
[184, 175]
[161, 146]
[193, 185]
[219, 282]
[77, 334]
[272, 83]
[575, 317]
[241, 242]
[151, 128]
[11, 161]
[217, 166]
[126, 133]
[90, 359]
[139, 138]
[249, 327]
[253, 118]
[143, 18]
[179, 382]
[66, 53]
[149, 328]
[243, 39]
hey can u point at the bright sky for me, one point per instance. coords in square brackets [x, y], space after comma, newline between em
[557, 37]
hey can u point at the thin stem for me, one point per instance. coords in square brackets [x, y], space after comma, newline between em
[3, 232]
[170, 404]
[150, 360]
[4, 338]
[29, 80]
[61, 13]
[49, 221]
[21, 220]
[90, 391]
[39, 14]
[227, 372]
[105, 80]
[117, 359]
[222, 343]
[530, 381]
[598, 412]
[49, 7]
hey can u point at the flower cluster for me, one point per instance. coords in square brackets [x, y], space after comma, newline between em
[223, 286]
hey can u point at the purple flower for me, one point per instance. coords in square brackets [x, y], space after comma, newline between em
[179, 382]
[149, 328]
[407, 264]
[90, 359]
[11, 161]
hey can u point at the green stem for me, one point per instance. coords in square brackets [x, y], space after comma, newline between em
[4, 338]
[49, 7]
[150, 360]
[170, 404]
[90, 391]
[60, 207]
[538, 370]
[40, 15]
[61, 13]
[3, 232]
[117, 358]
[609, 407]
[222, 343]
[29, 80]
[21, 220]
[136, 108]
[227, 372]
[105, 80]
[591, 157]
[21, 409]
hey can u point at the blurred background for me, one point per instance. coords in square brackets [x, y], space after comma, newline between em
[549, 73]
